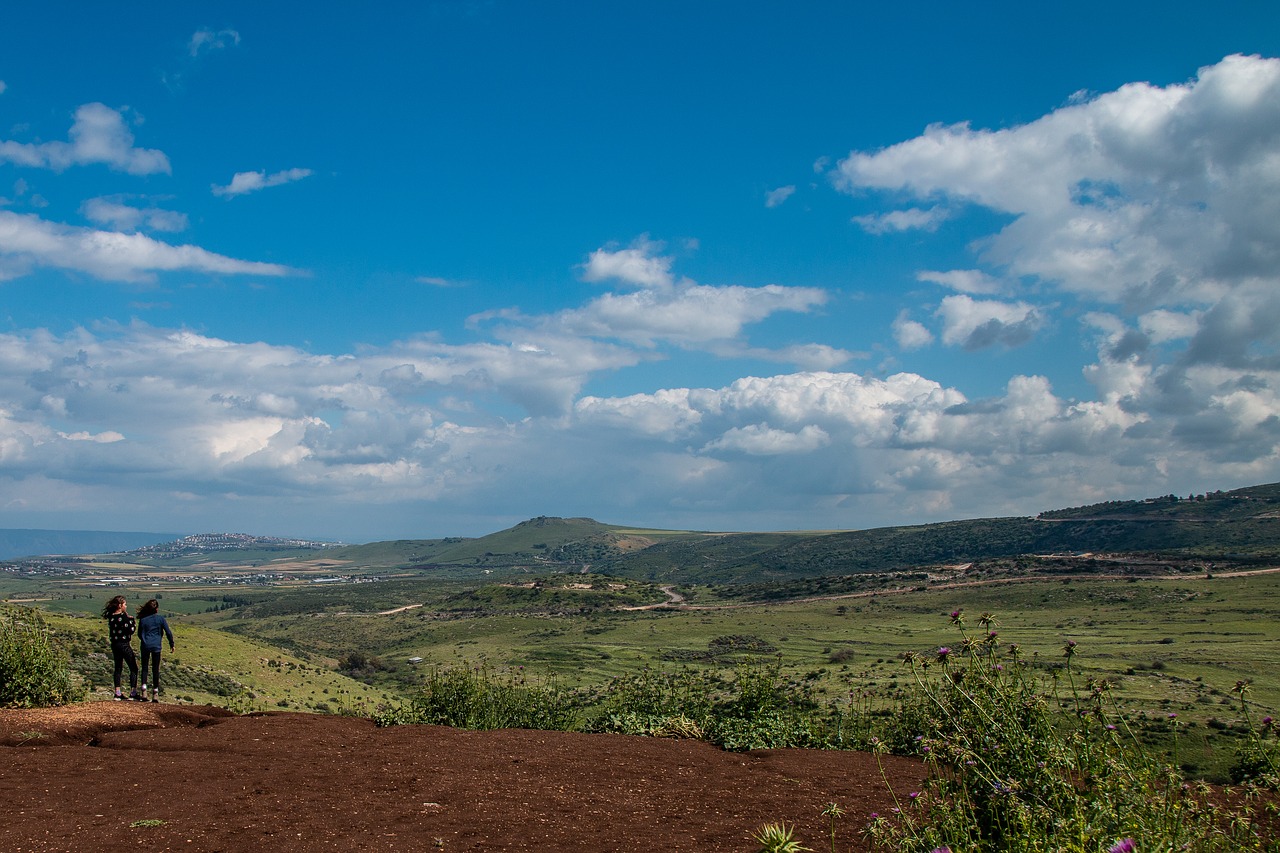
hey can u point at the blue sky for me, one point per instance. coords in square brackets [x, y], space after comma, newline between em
[313, 270]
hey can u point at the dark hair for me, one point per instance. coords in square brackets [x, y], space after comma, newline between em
[150, 607]
[112, 606]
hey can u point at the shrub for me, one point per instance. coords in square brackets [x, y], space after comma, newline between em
[34, 670]
[756, 709]
[1007, 773]
[482, 699]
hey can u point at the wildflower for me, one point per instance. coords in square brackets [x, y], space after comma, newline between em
[943, 652]
[1124, 845]
[940, 850]
[1266, 722]
[955, 616]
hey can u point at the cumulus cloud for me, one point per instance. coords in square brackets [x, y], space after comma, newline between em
[661, 309]
[98, 136]
[761, 440]
[157, 413]
[775, 197]
[1152, 195]
[977, 324]
[910, 334]
[28, 242]
[250, 182]
[637, 265]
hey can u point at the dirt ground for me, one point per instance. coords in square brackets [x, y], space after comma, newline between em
[87, 777]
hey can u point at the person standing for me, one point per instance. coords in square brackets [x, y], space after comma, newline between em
[152, 629]
[120, 626]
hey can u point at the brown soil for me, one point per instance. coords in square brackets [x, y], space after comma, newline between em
[76, 778]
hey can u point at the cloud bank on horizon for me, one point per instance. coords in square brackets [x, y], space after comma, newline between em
[1127, 242]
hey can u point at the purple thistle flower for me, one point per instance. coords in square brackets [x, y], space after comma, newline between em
[1124, 845]
[940, 850]
[943, 652]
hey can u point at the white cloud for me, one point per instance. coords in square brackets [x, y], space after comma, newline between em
[760, 440]
[977, 324]
[98, 136]
[775, 197]
[113, 212]
[690, 314]
[1158, 196]
[143, 413]
[911, 219]
[909, 333]
[636, 265]
[1163, 326]
[965, 281]
[2, 87]
[249, 182]
[28, 242]
[206, 40]
[437, 281]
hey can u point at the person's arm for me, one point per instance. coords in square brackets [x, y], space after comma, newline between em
[167, 632]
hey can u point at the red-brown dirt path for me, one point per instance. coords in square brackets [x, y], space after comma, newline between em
[295, 782]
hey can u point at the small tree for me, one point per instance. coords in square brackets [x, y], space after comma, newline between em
[34, 671]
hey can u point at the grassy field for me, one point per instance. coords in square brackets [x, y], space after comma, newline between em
[1166, 646]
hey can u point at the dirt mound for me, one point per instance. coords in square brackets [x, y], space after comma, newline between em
[118, 775]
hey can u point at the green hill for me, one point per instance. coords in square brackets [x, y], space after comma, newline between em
[1238, 525]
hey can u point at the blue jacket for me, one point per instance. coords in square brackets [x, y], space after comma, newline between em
[151, 630]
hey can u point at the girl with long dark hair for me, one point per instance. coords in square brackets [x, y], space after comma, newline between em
[120, 627]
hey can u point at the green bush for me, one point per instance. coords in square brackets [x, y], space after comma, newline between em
[756, 709]
[1008, 772]
[34, 671]
[482, 699]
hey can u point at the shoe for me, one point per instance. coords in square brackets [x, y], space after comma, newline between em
[117, 697]
[154, 699]
[135, 697]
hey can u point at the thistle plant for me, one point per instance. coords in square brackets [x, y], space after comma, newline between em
[1009, 772]
[777, 838]
[832, 811]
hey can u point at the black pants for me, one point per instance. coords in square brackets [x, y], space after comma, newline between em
[123, 653]
[153, 658]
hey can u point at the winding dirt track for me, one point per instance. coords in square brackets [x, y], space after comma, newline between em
[76, 778]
